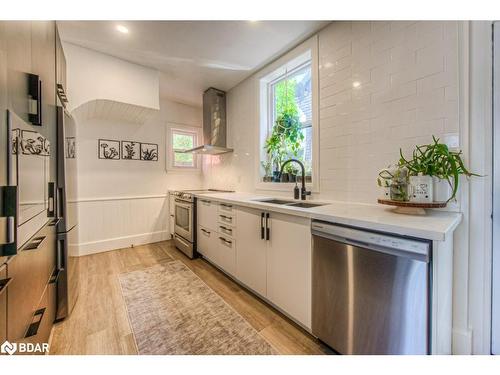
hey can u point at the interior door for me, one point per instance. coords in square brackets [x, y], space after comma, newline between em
[495, 324]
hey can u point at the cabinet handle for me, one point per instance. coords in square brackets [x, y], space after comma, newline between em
[262, 225]
[33, 328]
[226, 241]
[226, 205]
[226, 229]
[55, 276]
[205, 231]
[205, 201]
[4, 283]
[35, 244]
[268, 231]
[227, 218]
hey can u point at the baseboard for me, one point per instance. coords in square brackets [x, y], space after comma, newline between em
[109, 244]
[462, 341]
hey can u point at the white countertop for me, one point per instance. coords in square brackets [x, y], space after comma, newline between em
[436, 225]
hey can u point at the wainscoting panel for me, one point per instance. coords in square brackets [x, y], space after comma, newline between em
[112, 223]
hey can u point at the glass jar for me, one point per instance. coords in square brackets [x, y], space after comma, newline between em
[399, 185]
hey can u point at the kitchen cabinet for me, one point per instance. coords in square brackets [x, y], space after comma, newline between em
[207, 242]
[268, 252]
[3, 302]
[289, 265]
[251, 251]
[207, 213]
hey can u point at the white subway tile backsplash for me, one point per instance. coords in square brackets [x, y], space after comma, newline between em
[407, 91]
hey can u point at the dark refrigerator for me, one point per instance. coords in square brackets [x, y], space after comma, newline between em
[67, 210]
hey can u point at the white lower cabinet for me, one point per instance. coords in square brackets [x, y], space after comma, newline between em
[289, 265]
[207, 242]
[273, 257]
[225, 256]
[251, 250]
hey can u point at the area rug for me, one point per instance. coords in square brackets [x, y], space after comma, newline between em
[172, 311]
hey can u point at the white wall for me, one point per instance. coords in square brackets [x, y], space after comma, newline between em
[414, 83]
[124, 202]
[409, 90]
[94, 75]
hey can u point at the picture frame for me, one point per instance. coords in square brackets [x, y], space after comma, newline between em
[108, 149]
[149, 151]
[130, 150]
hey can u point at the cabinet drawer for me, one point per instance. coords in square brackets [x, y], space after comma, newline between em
[43, 317]
[206, 242]
[206, 213]
[226, 208]
[226, 219]
[30, 271]
[226, 253]
[227, 230]
[3, 302]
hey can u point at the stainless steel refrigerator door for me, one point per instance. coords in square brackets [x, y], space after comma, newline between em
[69, 272]
[67, 170]
[369, 302]
[495, 313]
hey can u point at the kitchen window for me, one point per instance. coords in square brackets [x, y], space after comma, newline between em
[183, 139]
[288, 100]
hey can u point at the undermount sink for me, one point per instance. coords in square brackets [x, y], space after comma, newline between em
[274, 201]
[306, 204]
[291, 203]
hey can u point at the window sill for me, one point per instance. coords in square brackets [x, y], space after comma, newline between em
[284, 186]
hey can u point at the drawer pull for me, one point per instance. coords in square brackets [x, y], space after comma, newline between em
[54, 222]
[4, 283]
[55, 276]
[226, 241]
[36, 243]
[35, 324]
[224, 229]
[205, 231]
[227, 218]
[205, 201]
[226, 205]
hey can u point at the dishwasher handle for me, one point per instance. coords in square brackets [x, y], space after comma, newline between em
[384, 243]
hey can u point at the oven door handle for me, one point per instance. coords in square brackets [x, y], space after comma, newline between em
[183, 204]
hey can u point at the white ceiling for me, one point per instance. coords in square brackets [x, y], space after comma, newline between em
[192, 55]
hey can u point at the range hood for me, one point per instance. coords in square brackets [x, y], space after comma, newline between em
[214, 124]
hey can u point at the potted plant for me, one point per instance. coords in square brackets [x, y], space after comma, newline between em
[267, 165]
[292, 171]
[438, 163]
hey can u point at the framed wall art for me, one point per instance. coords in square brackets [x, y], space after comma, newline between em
[108, 149]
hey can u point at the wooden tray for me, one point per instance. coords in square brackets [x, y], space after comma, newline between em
[412, 208]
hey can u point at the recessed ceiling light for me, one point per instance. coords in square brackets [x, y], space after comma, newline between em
[122, 29]
[356, 84]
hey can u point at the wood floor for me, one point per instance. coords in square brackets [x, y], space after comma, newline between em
[99, 322]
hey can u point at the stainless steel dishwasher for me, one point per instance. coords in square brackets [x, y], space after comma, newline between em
[370, 291]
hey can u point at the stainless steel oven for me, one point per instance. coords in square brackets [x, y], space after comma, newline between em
[184, 219]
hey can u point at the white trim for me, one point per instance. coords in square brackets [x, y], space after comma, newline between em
[125, 198]
[109, 244]
[181, 128]
[294, 57]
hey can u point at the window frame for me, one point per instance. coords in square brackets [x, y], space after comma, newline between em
[181, 129]
[294, 60]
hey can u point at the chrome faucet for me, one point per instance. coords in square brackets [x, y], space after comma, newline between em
[303, 191]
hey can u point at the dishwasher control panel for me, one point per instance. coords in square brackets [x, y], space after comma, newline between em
[367, 238]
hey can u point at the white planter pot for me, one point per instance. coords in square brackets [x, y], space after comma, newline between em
[421, 190]
[442, 190]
